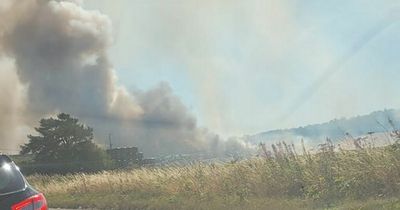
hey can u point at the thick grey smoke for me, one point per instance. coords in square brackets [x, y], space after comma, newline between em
[52, 43]
[59, 52]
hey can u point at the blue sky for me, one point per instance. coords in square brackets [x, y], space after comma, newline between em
[244, 67]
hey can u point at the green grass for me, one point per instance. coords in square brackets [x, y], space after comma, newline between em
[367, 178]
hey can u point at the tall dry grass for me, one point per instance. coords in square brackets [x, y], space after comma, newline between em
[330, 177]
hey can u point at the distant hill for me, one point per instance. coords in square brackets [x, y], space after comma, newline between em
[379, 121]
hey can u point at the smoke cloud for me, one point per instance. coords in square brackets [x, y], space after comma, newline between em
[54, 59]
[11, 105]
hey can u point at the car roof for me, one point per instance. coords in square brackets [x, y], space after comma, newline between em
[4, 159]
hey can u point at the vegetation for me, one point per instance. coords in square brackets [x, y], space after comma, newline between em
[365, 178]
[63, 144]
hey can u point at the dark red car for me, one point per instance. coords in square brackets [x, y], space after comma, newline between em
[15, 192]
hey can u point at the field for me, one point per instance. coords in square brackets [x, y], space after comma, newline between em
[332, 178]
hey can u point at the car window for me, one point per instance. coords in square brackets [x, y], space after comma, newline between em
[11, 179]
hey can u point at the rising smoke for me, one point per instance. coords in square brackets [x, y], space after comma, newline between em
[54, 59]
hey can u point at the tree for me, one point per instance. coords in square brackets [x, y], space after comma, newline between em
[63, 139]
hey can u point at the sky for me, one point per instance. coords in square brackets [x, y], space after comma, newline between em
[243, 67]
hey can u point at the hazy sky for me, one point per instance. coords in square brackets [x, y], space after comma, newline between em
[244, 67]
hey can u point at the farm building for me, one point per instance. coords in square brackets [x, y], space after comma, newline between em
[126, 156]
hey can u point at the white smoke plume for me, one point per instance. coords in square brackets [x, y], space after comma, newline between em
[12, 95]
[55, 60]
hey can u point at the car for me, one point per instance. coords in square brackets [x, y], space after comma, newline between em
[15, 191]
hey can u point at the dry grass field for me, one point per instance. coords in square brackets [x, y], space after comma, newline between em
[366, 178]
